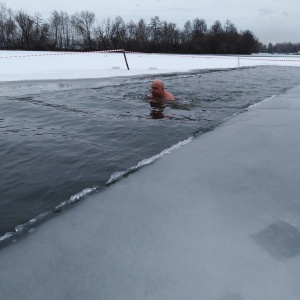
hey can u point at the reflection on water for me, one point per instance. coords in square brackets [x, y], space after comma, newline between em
[158, 106]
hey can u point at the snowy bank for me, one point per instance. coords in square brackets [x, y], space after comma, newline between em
[35, 65]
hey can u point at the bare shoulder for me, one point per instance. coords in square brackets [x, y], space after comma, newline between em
[169, 96]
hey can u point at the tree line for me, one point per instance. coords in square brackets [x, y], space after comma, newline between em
[82, 32]
[281, 48]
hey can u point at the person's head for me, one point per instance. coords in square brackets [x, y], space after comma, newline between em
[157, 88]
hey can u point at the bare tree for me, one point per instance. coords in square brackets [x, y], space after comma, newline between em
[10, 30]
[25, 23]
[199, 28]
[170, 37]
[7, 28]
[187, 32]
[118, 33]
[68, 32]
[231, 38]
[130, 36]
[199, 36]
[40, 33]
[60, 27]
[3, 19]
[215, 38]
[83, 23]
[102, 35]
[186, 36]
[55, 24]
[155, 32]
[248, 43]
[142, 37]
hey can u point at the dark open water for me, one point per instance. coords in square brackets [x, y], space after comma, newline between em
[60, 138]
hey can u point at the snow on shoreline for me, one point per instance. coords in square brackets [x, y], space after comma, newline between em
[39, 65]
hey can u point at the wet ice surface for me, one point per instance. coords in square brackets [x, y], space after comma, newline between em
[280, 239]
[59, 138]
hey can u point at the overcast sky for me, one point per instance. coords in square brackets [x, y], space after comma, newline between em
[272, 21]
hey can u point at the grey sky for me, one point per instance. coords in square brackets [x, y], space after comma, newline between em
[272, 21]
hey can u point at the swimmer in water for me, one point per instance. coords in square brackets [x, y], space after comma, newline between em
[158, 91]
[158, 99]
